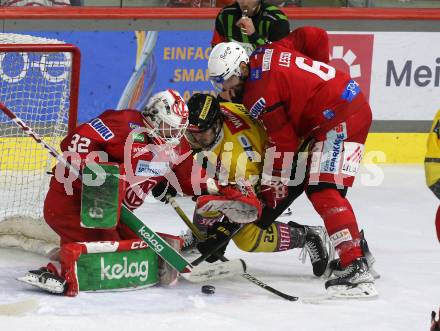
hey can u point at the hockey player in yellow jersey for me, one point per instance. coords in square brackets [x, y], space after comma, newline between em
[432, 165]
[231, 146]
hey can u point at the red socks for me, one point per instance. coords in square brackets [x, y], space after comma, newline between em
[340, 223]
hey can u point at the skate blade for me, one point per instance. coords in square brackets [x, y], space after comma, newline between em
[50, 286]
[363, 290]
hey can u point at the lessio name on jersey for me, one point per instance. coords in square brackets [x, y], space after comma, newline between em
[98, 125]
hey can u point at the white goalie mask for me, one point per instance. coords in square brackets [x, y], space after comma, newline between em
[224, 63]
[166, 117]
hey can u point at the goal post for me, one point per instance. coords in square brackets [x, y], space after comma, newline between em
[39, 82]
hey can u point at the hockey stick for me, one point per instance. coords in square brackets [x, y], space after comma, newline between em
[145, 233]
[244, 274]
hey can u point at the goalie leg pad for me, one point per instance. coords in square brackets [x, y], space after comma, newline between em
[108, 265]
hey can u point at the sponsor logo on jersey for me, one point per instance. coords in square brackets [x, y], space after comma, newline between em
[124, 270]
[138, 137]
[328, 114]
[285, 59]
[234, 122]
[206, 107]
[98, 125]
[134, 126]
[244, 141]
[257, 108]
[352, 158]
[267, 58]
[333, 148]
[256, 74]
[151, 169]
[351, 91]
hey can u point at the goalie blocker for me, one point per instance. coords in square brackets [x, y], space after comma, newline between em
[105, 266]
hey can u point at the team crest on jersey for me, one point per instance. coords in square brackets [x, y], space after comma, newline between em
[257, 108]
[267, 58]
[103, 130]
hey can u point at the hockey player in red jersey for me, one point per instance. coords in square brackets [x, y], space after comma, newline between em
[149, 148]
[299, 99]
[161, 143]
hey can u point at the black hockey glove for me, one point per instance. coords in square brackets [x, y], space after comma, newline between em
[162, 190]
[217, 233]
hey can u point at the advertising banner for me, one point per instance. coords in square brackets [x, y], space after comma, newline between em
[399, 72]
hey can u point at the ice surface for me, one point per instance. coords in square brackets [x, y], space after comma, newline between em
[398, 218]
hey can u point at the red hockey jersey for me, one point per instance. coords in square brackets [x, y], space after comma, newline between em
[296, 97]
[144, 163]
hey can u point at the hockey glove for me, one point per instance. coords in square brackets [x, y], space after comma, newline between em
[237, 202]
[218, 233]
[162, 190]
[273, 191]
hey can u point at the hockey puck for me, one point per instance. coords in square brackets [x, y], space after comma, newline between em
[208, 289]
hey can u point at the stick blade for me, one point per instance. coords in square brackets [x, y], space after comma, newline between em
[207, 272]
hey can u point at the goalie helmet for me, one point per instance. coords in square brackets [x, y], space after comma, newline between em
[166, 117]
[205, 121]
[224, 62]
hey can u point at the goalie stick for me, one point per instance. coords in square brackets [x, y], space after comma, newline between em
[145, 233]
[244, 274]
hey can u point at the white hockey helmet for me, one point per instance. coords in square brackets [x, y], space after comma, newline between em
[224, 62]
[166, 116]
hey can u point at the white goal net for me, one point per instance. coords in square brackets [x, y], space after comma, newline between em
[38, 82]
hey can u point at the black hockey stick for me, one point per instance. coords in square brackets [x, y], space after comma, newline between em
[245, 275]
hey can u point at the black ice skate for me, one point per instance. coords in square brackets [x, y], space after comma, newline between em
[334, 264]
[314, 244]
[354, 281]
[46, 280]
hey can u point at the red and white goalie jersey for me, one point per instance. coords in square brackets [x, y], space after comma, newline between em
[121, 137]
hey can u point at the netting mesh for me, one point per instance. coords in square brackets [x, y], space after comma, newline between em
[36, 87]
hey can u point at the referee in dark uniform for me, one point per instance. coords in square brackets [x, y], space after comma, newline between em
[252, 23]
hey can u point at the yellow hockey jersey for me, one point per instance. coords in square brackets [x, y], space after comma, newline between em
[432, 159]
[239, 149]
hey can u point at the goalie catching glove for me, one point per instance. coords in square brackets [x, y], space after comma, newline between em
[237, 202]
